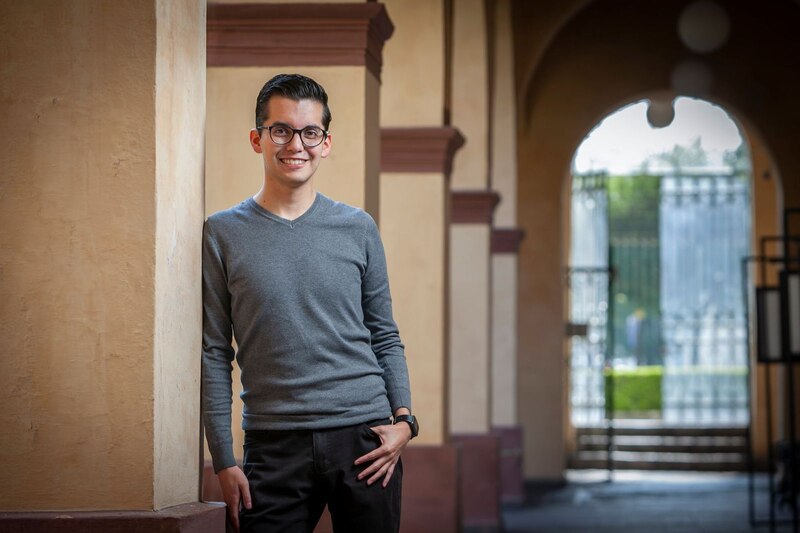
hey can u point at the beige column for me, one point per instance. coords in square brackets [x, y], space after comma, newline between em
[504, 245]
[416, 159]
[340, 46]
[470, 304]
[102, 212]
[470, 286]
[471, 266]
[415, 197]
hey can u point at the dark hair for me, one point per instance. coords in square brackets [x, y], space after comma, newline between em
[295, 87]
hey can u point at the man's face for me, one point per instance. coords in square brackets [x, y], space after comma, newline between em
[292, 164]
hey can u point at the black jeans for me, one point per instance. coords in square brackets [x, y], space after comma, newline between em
[294, 474]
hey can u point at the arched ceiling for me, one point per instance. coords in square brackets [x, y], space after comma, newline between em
[602, 54]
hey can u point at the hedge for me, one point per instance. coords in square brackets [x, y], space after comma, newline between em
[635, 389]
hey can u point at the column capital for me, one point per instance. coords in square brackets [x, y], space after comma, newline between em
[423, 149]
[275, 35]
[506, 240]
[473, 207]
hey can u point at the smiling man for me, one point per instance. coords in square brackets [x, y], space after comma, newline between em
[301, 282]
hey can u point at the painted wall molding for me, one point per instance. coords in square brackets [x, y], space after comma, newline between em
[424, 149]
[473, 207]
[506, 240]
[274, 35]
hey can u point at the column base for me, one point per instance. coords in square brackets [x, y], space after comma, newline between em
[431, 488]
[480, 481]
[512, 484]
[187, 518]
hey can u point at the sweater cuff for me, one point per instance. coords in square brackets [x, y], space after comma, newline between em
[223, 459]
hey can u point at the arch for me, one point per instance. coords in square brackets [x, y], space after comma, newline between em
[607, 53]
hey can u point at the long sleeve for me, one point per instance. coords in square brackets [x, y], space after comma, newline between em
[218, 354]
[385, 338]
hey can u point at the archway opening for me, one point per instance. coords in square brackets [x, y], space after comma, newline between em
[660, 218]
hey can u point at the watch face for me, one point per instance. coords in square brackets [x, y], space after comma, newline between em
[412, 421]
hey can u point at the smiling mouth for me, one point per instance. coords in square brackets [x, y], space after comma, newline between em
[293, 161]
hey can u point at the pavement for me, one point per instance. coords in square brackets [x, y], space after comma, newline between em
[647, 502]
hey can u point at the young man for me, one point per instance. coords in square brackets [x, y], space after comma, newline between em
[301, 281]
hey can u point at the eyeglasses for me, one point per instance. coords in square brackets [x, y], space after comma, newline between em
[281, 134]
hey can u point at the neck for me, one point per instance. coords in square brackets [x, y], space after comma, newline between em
[286, 202]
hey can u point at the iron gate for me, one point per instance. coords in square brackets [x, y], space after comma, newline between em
[675, 305]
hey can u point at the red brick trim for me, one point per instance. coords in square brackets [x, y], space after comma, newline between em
[480, 480]
[278, 35]
[419, 149]
[473, 207]
[190, 517]
[506, 240]
[512, 487]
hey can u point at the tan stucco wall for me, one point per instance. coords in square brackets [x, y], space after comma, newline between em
[414, 231]
[84, 253]
[234, 172]
[470, 304]
[470, 94]
[413, 71]
[180, 121]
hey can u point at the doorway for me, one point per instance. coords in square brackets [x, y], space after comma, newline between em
[657, 323]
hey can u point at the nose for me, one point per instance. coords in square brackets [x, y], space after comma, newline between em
[295, 143]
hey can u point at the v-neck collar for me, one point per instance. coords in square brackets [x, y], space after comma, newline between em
[285, 221]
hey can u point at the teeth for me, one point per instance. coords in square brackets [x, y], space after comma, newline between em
[294, 161]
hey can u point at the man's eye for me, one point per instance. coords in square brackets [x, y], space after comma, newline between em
[280, 131]
[312, 134]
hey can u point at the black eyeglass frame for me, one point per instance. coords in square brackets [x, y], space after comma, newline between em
[325, 134]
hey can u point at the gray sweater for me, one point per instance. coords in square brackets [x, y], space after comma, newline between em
[308, 301]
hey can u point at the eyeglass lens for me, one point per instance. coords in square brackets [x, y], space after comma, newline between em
[310, 135]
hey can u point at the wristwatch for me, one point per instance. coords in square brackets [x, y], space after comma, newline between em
[411, 420]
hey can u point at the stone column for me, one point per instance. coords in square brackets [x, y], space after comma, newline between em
[415, 197]
[340, 46]
[470, 361]
[416, 159]
[102, 212]
[470, 267]
[505, 244]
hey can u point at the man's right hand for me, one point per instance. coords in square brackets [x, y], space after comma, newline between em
[235, 490]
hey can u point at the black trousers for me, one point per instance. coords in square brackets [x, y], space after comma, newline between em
[294, 474]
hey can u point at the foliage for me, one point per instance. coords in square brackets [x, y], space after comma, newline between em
[633, 211]
[639, 389]
[635, 389]
[739, 160]
[633, 203]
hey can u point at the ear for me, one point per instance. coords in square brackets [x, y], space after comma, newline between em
[255, 140]
[326, 146]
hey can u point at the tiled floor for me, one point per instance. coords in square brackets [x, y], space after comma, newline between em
[638, 501]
